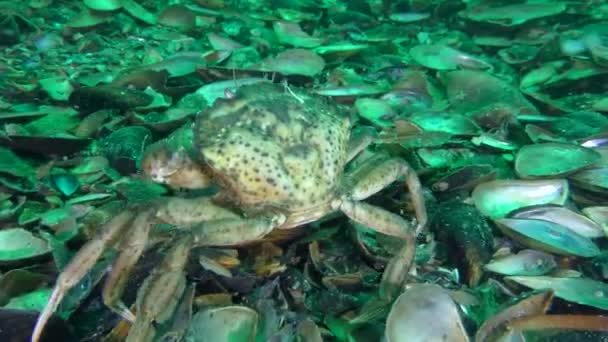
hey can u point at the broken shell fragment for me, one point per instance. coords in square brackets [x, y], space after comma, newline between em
[498, 198]
[553, 159]
[548, 236]
[527, 262]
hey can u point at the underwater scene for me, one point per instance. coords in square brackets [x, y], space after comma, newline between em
[303, 170]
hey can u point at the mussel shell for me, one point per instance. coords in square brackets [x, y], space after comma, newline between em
[577, 290]
[553, 159]
[527, 262]
[562, 216]
[498, 198]
[599, 215]
[595, 179]
[548, 236]
[90, 99]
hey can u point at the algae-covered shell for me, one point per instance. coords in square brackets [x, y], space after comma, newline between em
[548, 236]
[553, 159]
[497, 198]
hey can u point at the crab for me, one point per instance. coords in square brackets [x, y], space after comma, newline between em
[280, 158]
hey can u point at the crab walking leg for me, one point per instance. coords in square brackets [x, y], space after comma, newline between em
[374, 176]
[158, 297]
[396, 270]
[388, 223]
[371, 176]
[185, 212]
[234, 231]
[131, 249]
[80, 264]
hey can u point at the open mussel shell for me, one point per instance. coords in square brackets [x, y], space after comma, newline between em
[548, 236]
[426, 312]
[553, 159]
[562, 216]
[527, 262]
[498, 198]
[223, 324]
[577, 290]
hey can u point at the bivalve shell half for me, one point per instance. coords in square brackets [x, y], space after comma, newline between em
[426, 312]
[223, 324]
